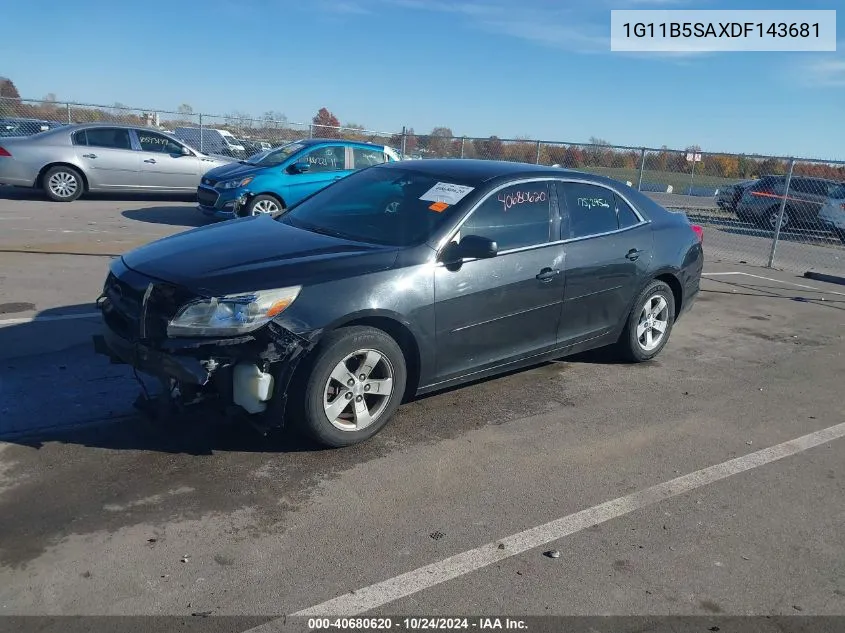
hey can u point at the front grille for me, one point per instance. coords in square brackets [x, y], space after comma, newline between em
[139, 308]
[206, 197]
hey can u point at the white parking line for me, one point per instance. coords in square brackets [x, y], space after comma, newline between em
[779, 281]
[379, 594]
[47, 319]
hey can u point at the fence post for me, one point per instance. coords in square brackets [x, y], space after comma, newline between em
[692, 175]
[404, 141]
[537, 161]
[642, 168]
[463, 138]
[69, 119]
[780, 213]
[310, 130]
[202, 134]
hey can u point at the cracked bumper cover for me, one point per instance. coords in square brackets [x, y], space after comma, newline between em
[196, 361]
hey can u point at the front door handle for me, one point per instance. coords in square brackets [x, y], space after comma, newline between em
[547, 274]
[633, 254]
[89, 156]
[150, 160]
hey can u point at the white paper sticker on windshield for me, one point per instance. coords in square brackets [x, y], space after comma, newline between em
[446, 192]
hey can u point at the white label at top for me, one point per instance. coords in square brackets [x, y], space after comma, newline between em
[703, 31]
[446, 192]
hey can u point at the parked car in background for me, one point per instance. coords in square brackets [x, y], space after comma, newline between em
[328, 316]
[832, 213]
[211, 141]
[251, 148]
[26, 127]
[761, 202]
[730, 195]
[69, 161]
[273, 180]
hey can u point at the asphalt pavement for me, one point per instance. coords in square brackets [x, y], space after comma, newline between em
[709, 482]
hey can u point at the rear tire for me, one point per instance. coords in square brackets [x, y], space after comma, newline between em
[334, 412]
[63, 184]
[770, 219]
[649, 324]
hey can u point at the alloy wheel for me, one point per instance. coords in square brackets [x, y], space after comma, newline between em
[358, 390]
[63, 184]
[653, 322]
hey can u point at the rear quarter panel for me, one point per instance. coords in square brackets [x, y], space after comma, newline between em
[30, 155]
[676, 249]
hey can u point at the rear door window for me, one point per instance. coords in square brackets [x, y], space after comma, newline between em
[362, 157]
[111, 138]
[591, 209]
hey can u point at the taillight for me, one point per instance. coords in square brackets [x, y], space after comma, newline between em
[5, 152]
[699, 231]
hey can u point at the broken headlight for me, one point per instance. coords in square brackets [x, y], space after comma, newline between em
[232, 314]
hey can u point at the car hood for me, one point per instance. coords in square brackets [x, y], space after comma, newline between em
[254, 253]
[234, 169]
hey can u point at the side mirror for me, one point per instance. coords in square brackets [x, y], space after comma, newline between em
[470, 247]
[186, 152]
[299, 168]
[477, 247]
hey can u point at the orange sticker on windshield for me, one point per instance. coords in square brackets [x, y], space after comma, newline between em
[439, 206]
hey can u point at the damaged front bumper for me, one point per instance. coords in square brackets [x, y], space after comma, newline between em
[247, 374]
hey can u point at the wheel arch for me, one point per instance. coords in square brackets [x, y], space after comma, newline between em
[671, 280]
[400, 330]
[272, 194]
[39, 179]
[669, 276]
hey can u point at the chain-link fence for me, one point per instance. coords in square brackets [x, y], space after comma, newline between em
[761, 210]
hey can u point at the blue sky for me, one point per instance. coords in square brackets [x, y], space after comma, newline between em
[537, 68]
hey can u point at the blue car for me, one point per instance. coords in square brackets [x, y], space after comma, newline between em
[275, 179]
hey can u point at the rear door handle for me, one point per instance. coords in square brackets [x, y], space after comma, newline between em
[547, 274]
[89, 156]
[633, 254]
[150, 160]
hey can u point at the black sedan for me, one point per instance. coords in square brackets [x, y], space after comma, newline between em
[399, 280]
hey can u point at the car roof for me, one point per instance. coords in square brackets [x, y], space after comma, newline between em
[318, 141]
[481, 170]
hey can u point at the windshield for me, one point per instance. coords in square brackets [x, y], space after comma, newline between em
[382, 206]
[270, 158]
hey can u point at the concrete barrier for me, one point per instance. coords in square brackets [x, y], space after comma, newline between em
[656, 187]
[703, 192]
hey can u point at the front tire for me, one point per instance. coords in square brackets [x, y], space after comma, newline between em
[264, 205]
[649, 324]
[63, 184]
[353, 385]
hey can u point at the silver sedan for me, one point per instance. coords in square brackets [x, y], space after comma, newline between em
[75, 159]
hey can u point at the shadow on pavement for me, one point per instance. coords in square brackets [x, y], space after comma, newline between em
[173, 216]
[54, 388]
[24, 193]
